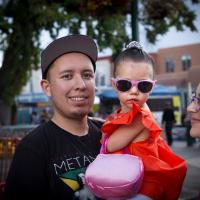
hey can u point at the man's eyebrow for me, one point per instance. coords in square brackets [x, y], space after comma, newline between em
[66, 71]
[88, 70]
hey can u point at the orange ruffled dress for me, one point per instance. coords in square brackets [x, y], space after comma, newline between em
[164, 171]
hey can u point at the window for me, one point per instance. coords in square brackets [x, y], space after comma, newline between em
[186, 62]
[102, 80]
[169, 65]
[97, 79]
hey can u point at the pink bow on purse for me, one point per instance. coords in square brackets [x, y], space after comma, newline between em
[114, 176]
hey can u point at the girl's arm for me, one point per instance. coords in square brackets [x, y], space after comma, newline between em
[125, 134]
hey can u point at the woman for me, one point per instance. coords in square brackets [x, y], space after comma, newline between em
[194, 111]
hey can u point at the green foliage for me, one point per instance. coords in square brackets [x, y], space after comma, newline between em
[159, 16]
[22, 21]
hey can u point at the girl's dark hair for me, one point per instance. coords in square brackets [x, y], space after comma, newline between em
[134, 52]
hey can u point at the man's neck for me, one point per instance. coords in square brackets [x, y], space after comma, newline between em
[76, 126]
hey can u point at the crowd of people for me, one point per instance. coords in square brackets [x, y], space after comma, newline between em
[39, 118]
[50, 162]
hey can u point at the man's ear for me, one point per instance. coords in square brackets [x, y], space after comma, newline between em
[46, 87]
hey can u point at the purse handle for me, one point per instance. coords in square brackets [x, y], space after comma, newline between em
[103, 149]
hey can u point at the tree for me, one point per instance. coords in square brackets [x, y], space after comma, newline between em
[22, 21]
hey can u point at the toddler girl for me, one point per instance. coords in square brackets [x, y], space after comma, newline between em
[133, 126]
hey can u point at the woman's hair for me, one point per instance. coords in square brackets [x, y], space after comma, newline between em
[134, 52]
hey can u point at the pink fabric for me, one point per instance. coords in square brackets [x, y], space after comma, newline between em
[115, 176]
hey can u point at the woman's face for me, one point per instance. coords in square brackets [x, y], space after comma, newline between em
[194, 111]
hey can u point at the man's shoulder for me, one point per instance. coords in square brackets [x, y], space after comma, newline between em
[36, 132]
[35, 137]
[97, 121]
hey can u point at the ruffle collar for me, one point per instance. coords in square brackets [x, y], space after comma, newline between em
[117, 118]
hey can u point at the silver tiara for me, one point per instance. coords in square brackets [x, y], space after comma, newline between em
[134, 44]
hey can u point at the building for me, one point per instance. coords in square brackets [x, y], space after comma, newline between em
[103, 72]
[180, 67]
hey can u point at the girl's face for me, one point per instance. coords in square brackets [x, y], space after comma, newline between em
[194, 111]
[131, 70]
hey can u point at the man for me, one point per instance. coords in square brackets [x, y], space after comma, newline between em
[169, 119]
[49, 161]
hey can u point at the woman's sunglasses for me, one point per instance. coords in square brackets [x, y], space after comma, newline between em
[196, 102]
[124, 85]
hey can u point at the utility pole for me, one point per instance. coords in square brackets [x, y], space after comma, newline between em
[134, 20]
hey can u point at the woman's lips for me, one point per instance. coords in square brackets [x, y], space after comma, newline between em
[195, 120]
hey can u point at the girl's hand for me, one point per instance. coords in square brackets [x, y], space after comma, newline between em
[145, 106]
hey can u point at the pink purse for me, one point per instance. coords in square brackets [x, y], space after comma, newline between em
[114, 176]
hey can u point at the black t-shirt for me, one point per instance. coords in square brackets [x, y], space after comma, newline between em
[50, 163]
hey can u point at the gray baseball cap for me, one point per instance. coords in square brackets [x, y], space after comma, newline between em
[68, 44]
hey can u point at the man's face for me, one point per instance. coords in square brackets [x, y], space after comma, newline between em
[71, 85]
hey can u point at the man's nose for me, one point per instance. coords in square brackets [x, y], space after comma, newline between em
[80, 83]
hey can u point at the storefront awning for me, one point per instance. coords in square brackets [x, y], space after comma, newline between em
[32, 98]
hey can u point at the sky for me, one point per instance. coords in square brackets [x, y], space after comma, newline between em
[171, 39]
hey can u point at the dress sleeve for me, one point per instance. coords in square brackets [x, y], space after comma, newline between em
[115, 120]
